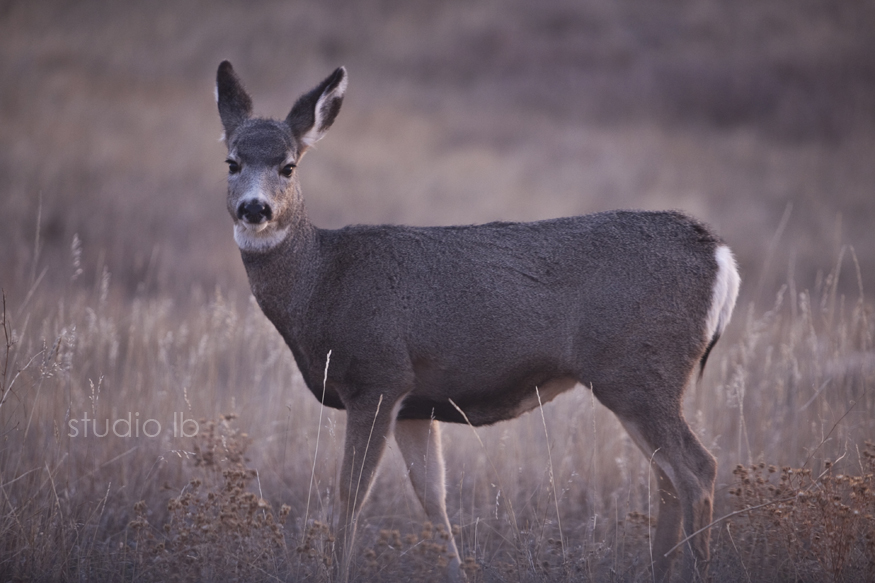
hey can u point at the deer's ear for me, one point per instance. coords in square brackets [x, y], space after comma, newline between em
[314, 112]
[235, 105]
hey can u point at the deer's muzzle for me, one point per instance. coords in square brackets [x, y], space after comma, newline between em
[254, 212]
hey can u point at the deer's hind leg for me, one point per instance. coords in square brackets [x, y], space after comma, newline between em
[685, 474]
[420, 443]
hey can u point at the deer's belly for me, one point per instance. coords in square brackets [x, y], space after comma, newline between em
[487, 407]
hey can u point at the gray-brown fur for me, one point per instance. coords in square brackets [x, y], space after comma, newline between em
[417, 319]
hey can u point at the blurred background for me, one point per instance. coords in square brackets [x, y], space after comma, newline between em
[757, 117]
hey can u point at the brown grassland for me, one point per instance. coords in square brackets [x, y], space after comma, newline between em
[125, 302]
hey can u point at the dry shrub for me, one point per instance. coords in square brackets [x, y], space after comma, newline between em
[218, 528]
[798, 525]
[418, 556]
[315, 553]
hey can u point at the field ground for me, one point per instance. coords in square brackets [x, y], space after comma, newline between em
[125, 298]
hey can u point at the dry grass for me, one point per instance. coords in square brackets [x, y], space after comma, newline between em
[793, 388]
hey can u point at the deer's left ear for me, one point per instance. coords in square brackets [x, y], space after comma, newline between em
[314, 112]
[235, 105]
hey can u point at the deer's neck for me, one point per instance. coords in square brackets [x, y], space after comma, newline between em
[282, 277]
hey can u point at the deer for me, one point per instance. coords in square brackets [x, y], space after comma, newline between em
[478, 324]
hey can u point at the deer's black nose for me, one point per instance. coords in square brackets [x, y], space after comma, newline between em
[254, 212]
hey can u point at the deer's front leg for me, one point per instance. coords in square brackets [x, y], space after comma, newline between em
[367, 427]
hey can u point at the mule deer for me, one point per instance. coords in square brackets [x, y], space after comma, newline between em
[461, 324]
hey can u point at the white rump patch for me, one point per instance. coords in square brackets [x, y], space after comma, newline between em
[725, 293]
[258, 238]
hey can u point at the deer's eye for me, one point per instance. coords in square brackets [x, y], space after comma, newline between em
[287, 170]
[233, 166]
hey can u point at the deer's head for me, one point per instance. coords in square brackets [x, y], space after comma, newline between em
[264, 197]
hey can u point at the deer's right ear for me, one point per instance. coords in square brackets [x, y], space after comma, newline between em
[235, 105]
[314, 112]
